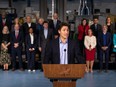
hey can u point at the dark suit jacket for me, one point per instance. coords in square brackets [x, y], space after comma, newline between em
[99, 29]
[52, 53]
[25, 28]
[112, 29]
[28, 42]
[43, 41]
[19, 39]
[8, 23]
[100, 40]
[38, 28]
[51, 26]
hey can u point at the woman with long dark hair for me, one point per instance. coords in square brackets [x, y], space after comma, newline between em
[111, 29]
[82, 31]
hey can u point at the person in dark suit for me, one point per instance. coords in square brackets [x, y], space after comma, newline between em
[96, 28]
[27, 25]
[45, 35]
[104, 42]
[25, 29]
[31, 44]
[16, 47]
[110, 25]
[5, 21]
[54, 24]
[62, 50]
[39, 25]
[111, 29]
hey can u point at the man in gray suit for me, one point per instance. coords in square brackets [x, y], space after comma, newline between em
[45, 35]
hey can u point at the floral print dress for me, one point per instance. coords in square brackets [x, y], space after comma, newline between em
[4, 55]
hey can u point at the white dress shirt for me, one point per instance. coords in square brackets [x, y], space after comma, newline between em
[29, 24]
[32, 38]
[45, 33]
[90, 41]
[55, 23]
[4, 21]
[63, 52]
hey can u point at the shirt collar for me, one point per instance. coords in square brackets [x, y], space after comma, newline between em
[61, 41]
[16, 30]
[45, 29]
[104, 33]
[31, 33]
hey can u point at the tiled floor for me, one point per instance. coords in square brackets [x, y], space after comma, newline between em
[25, 79]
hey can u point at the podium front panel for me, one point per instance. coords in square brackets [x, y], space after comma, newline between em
[68, 71]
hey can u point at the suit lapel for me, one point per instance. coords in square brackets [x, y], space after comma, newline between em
[102, 38]
[18, 35]
[58, 49]
[69, 49]
[48, 34]
[57, 23]
[43, 33]
[29, 38]
[107, 37]
[28, 25]
[15, 36]
[33, 38]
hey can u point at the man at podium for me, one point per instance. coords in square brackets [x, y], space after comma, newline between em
[62, 50]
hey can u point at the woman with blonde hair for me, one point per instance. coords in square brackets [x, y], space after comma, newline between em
[16, 21]
[4, 56]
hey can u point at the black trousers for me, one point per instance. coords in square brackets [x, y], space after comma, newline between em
[16, 52]
[81, 47]
[102, 54]
[31, 59]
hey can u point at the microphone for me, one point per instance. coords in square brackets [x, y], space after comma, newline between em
[64, 50]
[64, 55]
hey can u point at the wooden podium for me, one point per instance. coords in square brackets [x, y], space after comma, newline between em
[66, 75]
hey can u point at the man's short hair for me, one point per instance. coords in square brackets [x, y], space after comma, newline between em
[63, 24]
[45, 22]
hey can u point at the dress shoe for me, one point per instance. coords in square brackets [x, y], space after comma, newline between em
[6, 69]
[21, 69]
[13, 69]
[106, 70]
[91, 71]
[29, 70]
[100, 70]
[33, 70]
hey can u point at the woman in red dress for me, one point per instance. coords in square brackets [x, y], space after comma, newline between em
[90, 45]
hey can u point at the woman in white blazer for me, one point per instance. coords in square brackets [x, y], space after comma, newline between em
[90, 45]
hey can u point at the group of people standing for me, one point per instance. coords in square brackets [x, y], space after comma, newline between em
[29, 36]
[33, 37]
[98, 39]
